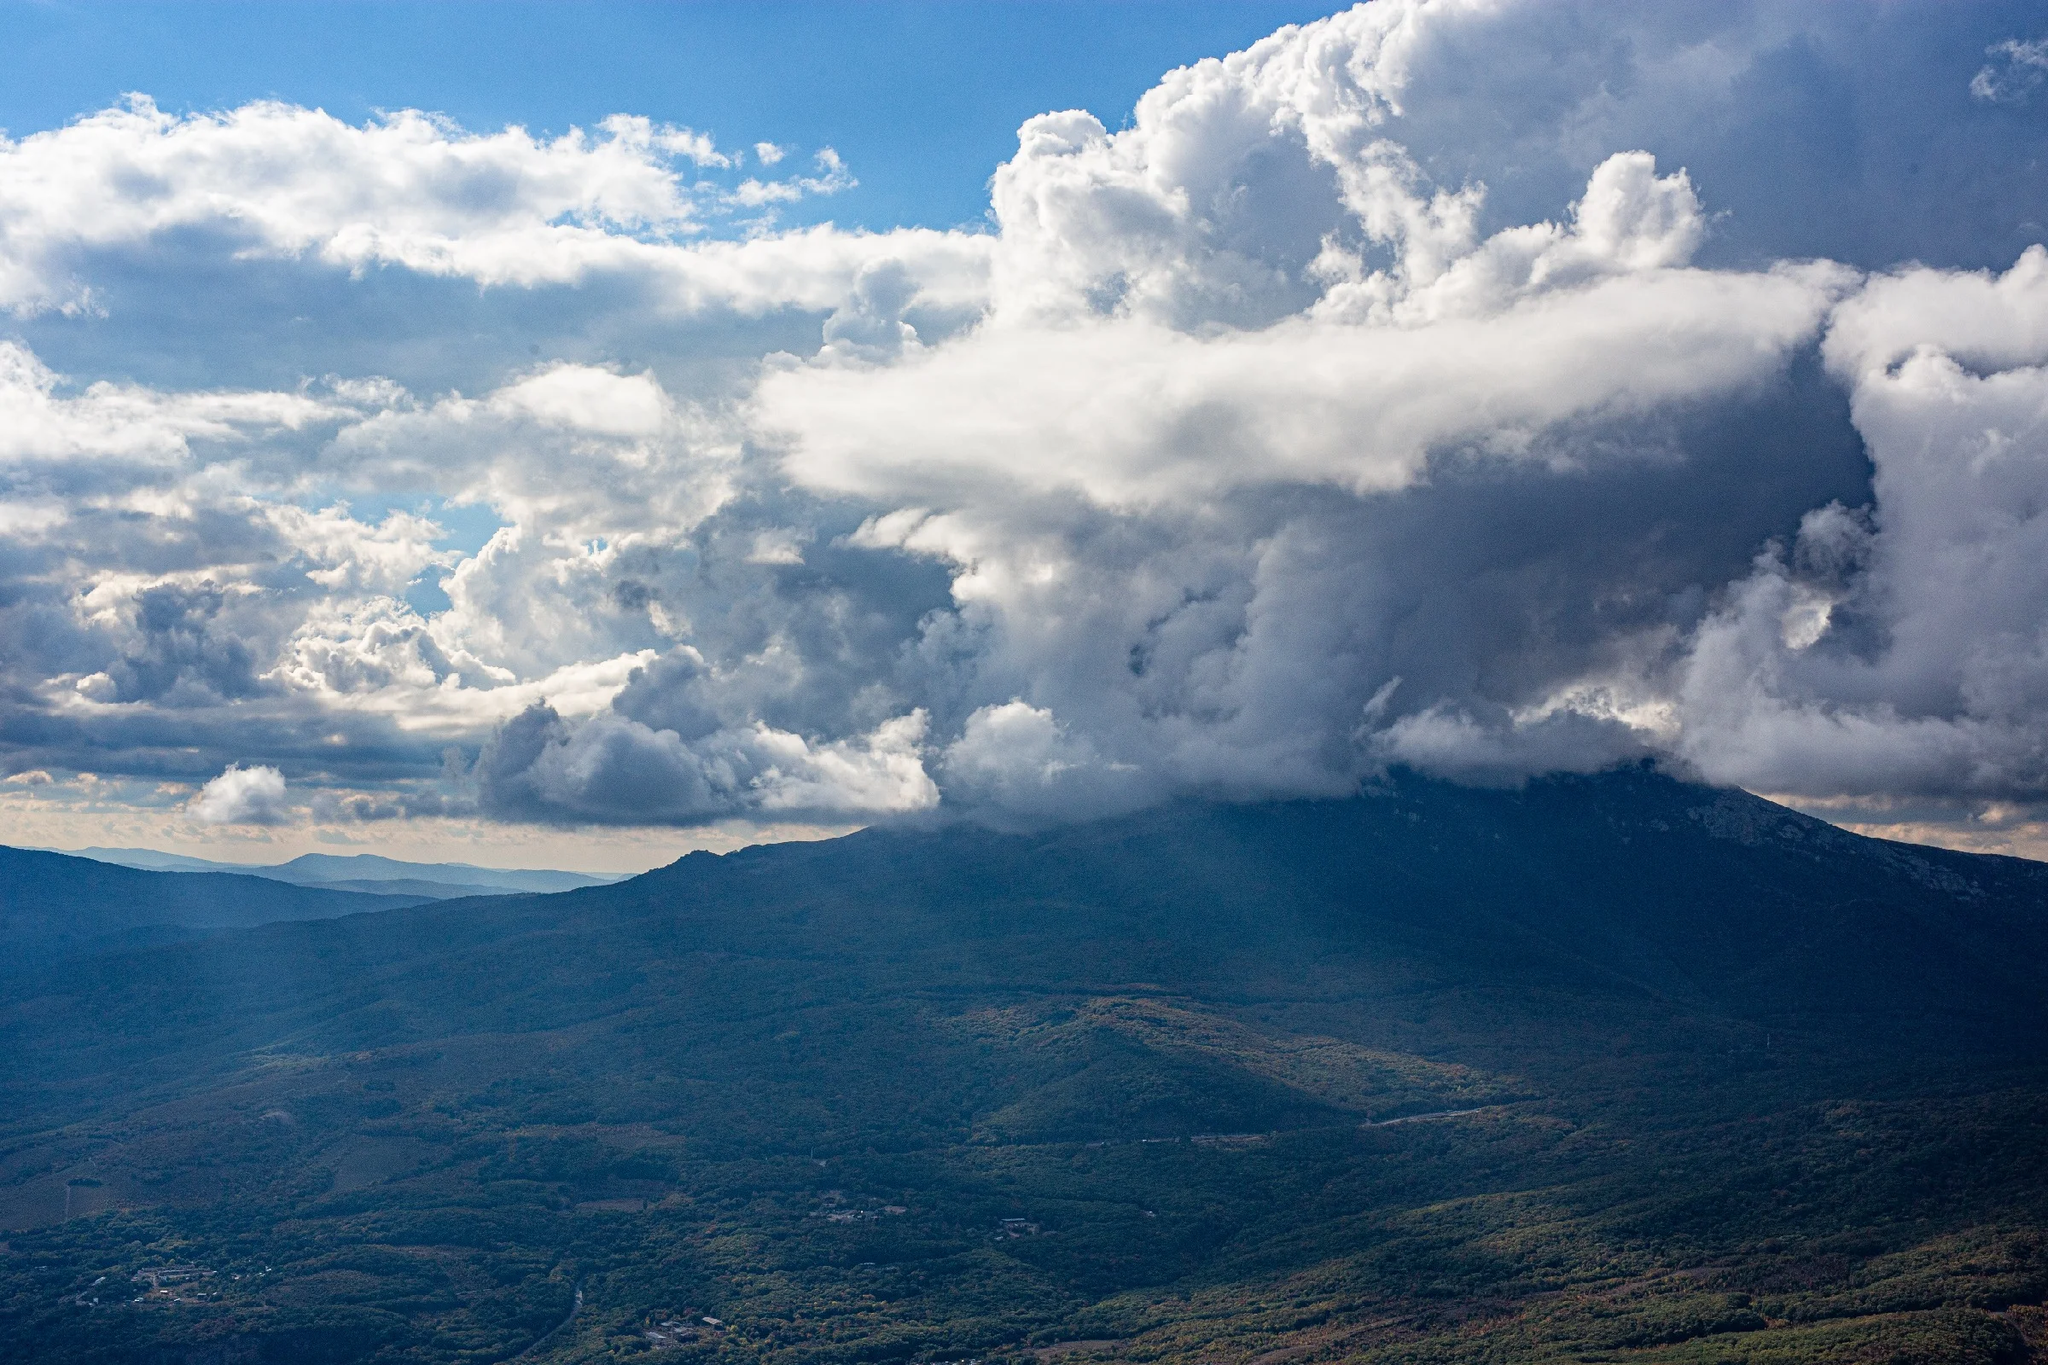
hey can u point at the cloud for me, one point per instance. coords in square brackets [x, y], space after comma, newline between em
[1490, 388]
[409, 190]
[832, 178]
[2015, 73]
[242, 796]
[1450, 743]
[1130, 414]
[1902, 652]
[1018, 760]
[615, 770]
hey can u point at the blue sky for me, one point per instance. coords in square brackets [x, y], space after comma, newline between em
[1178, 406]
[923, 99]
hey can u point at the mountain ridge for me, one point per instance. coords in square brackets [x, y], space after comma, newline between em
[55, 905]
[355, 871]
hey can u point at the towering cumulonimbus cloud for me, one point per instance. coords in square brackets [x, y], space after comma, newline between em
[1484, 387]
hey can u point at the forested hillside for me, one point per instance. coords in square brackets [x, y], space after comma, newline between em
[1608, 1068]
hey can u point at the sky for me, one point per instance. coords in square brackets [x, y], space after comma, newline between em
[573, 434]
[926, 97]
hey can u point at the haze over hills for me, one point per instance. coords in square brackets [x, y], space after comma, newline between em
[53, 905]
[1606, 1068]
[366, 872]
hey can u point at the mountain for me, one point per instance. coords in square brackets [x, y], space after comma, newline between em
[151, 860]
[409, 886]
[54, 906]
[309, 868]
[364, 871]
[1605, 1068]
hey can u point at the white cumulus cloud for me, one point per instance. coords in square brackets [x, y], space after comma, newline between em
[242, 796]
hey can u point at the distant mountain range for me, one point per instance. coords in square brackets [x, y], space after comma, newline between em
[63, 905]
[365, 872]
[55, 905]
[1608, 1068]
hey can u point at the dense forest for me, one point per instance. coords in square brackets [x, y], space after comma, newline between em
[1609, 1068]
